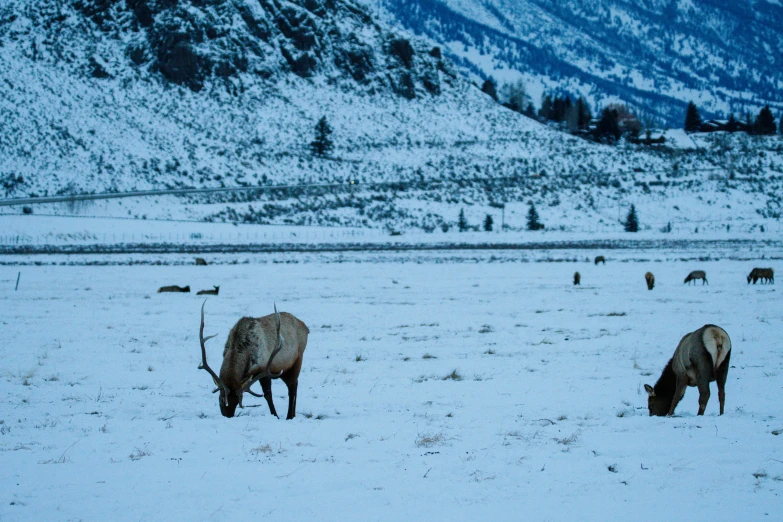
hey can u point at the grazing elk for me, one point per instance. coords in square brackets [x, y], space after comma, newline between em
[700, 358]
[697, 274]
[174, 288]
[214, 291]
[577, 279]
[650, 278]
[200, 261]
[258, 349]
[600, 259]
[762, 273]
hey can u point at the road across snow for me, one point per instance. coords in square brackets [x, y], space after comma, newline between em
[430, 390]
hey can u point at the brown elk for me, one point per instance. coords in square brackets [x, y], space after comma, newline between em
[650, 278]
[700, 358]
[697, 274]
[258, 349]
[174, 288]
[765, 274]
[214, 291]
[577, 279]
[600, 259]
[200, 261]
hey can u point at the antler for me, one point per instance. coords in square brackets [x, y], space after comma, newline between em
[261, 372]
[204, 365]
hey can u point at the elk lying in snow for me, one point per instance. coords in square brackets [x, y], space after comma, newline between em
[696, 274]
[600, 259]
[258, 349]
[214, 291]
[200, 261]
[577, 278]
[174, 288]
[650, 280]
[765, 274]
[700, 358]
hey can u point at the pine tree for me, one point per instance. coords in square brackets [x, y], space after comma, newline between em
[515, 95]
[780, 126]
[532, 218]
[731, 125]
[608, 128]
[765, 122]
[583, 113]
[462, 222]
[632, 222]
[546, 108]
[692, 118]
[488, 221]
[490, 87]
[322, 144]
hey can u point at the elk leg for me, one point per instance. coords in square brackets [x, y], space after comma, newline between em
[679, 392]
[704, 394]
[266, 385]
[292, 387]
[291, 379]
[720, 378]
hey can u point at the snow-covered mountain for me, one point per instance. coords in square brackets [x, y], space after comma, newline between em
[112, 95]
[727, 56]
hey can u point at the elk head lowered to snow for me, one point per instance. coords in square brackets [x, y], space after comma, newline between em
[700, 358]
[577, 278]
[258, 349]
[650, 278]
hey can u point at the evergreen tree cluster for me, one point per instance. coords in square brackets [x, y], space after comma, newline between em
[763, 124]
[490, 87]
[575, 115]
[617, 120]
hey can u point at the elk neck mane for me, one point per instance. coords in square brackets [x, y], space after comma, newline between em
[243, 337]
[667, 382]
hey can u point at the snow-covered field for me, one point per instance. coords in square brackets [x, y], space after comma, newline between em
[430, 391]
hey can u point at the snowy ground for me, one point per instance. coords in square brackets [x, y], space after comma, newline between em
[106, 416]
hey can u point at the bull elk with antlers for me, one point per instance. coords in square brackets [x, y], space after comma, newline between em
[258, 349]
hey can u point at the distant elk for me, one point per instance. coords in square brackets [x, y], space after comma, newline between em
[174, 288]
[765, 274]
[700, 358]
[258, 349]
[600, 259]
[577, 279]
[200, 261]
[214, 291]
[650, 278]
[697, 274]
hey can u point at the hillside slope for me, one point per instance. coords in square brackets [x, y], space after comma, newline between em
[116, 96]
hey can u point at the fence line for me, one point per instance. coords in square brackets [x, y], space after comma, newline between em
[296, 236]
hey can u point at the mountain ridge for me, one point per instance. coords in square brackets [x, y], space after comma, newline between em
[654, 55]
